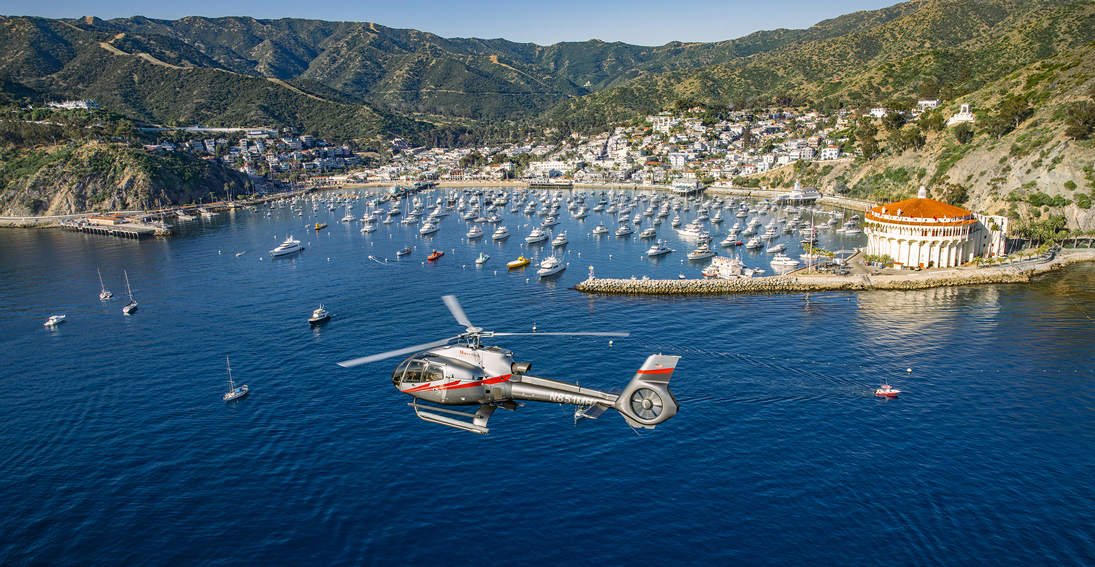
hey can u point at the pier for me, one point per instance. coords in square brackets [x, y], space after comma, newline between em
[130, 230]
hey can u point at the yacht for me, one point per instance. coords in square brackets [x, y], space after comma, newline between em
[319, 316]
[694, 228]
[648, 233]
[731, 240]
[624, 230]
[475, 232]
[429, 228]
[600, 229]
[537, 235]
[724, 268]
[781, 259]
[234, 392]
[550, 221]
[501, 233]
[676, 221]
[754, 243]
[551, 265]
[132, 305]
[287, 247]
[54, 320]
[776, 248]
[701, 252]
[658, 249]
[368, 227]
[560, 240]
[105, 293]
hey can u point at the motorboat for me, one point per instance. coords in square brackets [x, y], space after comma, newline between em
[885, 390]
[319, 316]
[520, 262]
[54, 320]
[701, 252]
[725, 268]
[731, 240]
[482, 259]
[501, 233]
[368, 227]
[560, 239]
[781, 259]
[658, 249]
[624, 230]
[105, 293]
[287, 247]
[648, 233]
[435, 255]
[234, 392]
[429, 228]
[550, 266]
[537, 235]
[321, 226]
[694, 228]
[754, 243]
[776, 248]
[405, 251]
[550, 221]
[600, 229]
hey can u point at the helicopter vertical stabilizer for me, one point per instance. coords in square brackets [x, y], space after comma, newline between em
[647, 401]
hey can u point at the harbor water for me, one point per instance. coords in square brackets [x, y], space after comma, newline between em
[117, 449]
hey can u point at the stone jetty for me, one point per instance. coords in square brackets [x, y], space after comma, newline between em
[798, 283]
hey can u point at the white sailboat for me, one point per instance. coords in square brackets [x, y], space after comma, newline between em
[105, 293]
[233, 393]
[132, 305]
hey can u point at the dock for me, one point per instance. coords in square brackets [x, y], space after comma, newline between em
[134, 231]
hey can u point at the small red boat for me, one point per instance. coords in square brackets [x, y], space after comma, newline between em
[435, 255]
[886, 391]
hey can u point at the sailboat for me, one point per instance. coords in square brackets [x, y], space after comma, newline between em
[233, 392]
[132, 305]
[105, 294]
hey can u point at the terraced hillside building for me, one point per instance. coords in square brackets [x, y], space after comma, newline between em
[924, 233]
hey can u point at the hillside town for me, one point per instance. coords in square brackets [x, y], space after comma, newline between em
[659, 149]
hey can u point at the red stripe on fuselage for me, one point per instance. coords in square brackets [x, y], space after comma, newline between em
[657, 371]
[457, 385]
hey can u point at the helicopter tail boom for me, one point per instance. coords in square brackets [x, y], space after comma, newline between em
[647, 401]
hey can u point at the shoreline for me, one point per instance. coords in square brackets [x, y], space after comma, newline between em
[797, 283]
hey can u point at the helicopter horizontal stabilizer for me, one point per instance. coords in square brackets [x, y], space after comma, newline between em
[592, 412]
[477, 423]
[647, 401]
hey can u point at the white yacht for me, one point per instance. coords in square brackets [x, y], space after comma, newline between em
[624, 230]
[694, 228]
[501, 233]
[724, 268]
[600, 229]
[701, 252]
[429, 228]
[537, 235]
[658, 249]
[560, 240]
[54, 320]
[754, 243]
[781, 259]
[775, 248]
[475, 232]
[234, 392]
[550, 221]
[319, 316]
[648, 233]
[287, 247]
[368, 227]
[550, 265]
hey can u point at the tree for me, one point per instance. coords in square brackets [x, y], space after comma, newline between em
[1080, 117]
[893, 120]
[963, 133]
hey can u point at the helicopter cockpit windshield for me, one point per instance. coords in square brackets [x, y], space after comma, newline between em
[430, 367]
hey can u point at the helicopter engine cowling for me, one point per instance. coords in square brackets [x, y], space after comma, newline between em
[647, 401]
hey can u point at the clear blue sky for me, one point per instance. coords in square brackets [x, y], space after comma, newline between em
[640, 22]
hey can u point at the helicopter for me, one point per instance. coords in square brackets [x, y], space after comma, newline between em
[461, 371]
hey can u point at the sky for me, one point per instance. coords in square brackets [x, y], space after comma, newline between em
[638, 22]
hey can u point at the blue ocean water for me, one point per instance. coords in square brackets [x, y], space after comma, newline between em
[116, 447]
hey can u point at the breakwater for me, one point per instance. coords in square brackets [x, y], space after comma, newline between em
[811, 283]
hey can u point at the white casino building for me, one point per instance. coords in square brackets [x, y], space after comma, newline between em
[925, 233]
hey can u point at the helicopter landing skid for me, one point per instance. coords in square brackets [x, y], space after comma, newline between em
[477, 423]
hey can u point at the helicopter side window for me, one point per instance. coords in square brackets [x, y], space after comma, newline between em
[409, 371]
[432, 373]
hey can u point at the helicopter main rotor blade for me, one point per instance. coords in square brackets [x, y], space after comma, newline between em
[588, 334]
[456, 310]
[391, 353]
